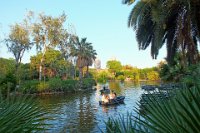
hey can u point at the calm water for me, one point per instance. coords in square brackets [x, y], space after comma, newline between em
[81, 112]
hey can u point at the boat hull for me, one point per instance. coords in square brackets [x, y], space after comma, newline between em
[118, 100]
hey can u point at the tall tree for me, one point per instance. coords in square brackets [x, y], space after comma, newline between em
[90, 57]
[64, 47]
[18, 42]
[172, 22]
[55, 65]
[84, 53]
[47, 33]
[114, 66]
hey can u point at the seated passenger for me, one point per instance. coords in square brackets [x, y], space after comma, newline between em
[105, 98]
[112, 95]
[104, 88]
[115, 95]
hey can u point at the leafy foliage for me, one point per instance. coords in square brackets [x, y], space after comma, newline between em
[8, 83]
[114, 66]
[54, 64]
[29, 86]
[191, 77]
[180, 113]
[88, 83]
[21, 114]
[48, 33]
[172, 22]
[84, 53]
[18, 41]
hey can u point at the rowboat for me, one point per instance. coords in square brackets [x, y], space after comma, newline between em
[118, 100]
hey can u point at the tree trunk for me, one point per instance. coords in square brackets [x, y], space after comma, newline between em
[87, 73]
[80, 73]
[80, 77]
[41, 63]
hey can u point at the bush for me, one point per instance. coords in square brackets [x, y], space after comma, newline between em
[29, 86]
[55, 84]
[8, 82]
[42, 86]
[191, 78]
[69, 85]
[121, 78]
[88, 83]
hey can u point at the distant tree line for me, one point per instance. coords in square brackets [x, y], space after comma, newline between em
[116, 71]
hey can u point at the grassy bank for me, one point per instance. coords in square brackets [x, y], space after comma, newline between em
[55, 85]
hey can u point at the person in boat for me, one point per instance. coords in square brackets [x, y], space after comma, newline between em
[104, 88]
[105, 98]
[115, 94]
[112, 95]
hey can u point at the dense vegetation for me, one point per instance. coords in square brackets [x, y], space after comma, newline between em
[63, 60]
[60, 55]
[176, 24]
[179, 113]
[116, 71]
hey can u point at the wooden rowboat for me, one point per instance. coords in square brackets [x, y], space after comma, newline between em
[118, 100]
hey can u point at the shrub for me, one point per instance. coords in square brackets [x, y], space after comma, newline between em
[88, 83]
[121, 78]
[29, 86]
[8, 82]
[69, 85]
[55, 84]
[191, 78]
[42, 86]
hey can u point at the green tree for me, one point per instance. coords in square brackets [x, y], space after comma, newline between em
[84, 53]
[103, 76]
[18, 42]
[7, 75]
[7, 65]
[48, 33]
[91, 56]
[114, 66]
[172, 22]
[131, 72]
[153, 75]
[54, 64]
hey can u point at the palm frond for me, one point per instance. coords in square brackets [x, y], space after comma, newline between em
[21, 114]
[179, 113]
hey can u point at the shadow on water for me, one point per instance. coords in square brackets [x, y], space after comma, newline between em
[81, 112]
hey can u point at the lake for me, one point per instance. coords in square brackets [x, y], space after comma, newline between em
[82, 113]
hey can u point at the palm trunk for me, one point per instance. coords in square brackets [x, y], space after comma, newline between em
[80, 73]
[80, 77]
[87, 73]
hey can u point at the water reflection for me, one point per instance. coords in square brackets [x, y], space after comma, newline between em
[82, 113]
[116, 87]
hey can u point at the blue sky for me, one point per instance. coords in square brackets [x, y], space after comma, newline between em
[103, 22]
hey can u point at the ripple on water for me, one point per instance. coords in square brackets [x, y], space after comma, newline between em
[82, 113]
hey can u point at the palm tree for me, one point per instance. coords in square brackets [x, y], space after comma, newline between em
[172, 22]
[91, 56]
[84, 53]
